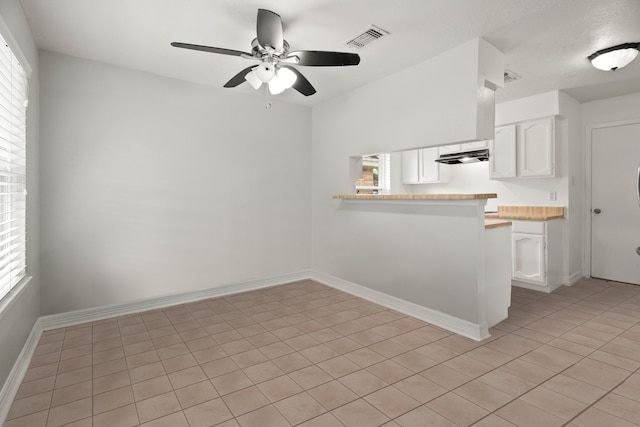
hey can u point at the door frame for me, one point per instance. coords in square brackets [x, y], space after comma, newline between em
[586, 240]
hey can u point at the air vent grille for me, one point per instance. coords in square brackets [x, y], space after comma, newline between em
[510, 76]
[366, 37]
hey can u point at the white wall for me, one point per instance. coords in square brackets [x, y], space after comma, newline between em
[153, 186]
[401, 250]
[573, 155]
[421, 105]
[425, 253]
[609, 110]
[474, 177]
[18, 318]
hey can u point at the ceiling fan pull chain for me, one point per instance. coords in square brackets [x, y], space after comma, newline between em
[268, 95]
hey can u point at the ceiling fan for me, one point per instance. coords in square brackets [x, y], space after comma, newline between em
[272, 51]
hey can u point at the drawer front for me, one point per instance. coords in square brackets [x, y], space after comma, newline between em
[531, 227]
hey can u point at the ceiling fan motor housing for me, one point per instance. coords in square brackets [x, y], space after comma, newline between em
[261, 52]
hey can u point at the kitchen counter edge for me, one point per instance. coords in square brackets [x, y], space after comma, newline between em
[496, 223]
[523, 217]
[415, 196]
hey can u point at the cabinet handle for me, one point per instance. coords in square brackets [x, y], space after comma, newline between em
[638, 186]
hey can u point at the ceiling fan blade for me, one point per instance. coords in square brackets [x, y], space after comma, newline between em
[210, 49]
[317, 58]
[301, 84]
[269, 29]
[239, 78]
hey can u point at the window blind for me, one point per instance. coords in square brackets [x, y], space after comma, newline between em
[13, 162]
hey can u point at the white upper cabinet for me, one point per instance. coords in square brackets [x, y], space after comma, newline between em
[535, 148]
[428, 168]
[475, 145]
[420, 167]
[502, 160]
[467, 146]
[410, 167]
[523, 150]
[448, 149]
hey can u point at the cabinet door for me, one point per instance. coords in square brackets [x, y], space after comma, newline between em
[429, 169]
[535, 148]
[502, 158]
[410, 167]
[475, 145]
[528, 258]
[448, 149]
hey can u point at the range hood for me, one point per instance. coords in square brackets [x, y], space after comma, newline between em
[464, 157]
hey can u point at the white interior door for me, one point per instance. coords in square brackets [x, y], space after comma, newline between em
[615, 203]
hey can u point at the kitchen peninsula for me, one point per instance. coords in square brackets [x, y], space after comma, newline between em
[458, 276]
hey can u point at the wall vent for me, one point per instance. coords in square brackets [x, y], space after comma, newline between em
[366, 37]
[510, 76]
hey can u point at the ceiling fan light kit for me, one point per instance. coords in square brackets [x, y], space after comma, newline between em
[284, 79]
[278, 80]
[253, 79]
[272, 51]
[265, 72]
[612, 58]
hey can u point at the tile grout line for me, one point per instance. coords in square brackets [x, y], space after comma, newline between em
[416, 373]
[601, 398]
[621, 382]
[505, 333]
[555, 375]
[587, 356]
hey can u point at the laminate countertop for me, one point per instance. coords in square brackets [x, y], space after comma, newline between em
[527, 213]
[495, 223]
[415, 196]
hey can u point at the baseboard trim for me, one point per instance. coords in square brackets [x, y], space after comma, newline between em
[44, 323]
[71, 318]
[461, 327]
[12, 384]
[574, 278]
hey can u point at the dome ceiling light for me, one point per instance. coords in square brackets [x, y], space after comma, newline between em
[612, 58]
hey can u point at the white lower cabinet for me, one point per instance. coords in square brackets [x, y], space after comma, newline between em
[536, 258]
[529, 256]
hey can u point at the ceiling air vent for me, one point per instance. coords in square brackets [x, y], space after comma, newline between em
[366, 37]
[510, 76]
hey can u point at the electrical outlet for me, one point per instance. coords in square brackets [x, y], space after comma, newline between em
[553, 196]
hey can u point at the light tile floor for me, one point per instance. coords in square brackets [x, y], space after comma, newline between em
[306, 354]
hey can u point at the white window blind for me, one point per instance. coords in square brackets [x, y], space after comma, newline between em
[13, 100]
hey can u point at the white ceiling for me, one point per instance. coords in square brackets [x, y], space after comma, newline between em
[546, 42]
